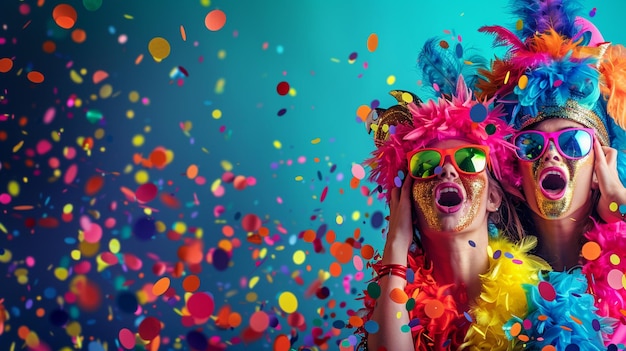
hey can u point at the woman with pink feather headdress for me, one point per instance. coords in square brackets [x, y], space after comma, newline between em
[564, 89]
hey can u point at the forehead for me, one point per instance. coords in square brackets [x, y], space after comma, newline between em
[554, 124]
[448, 143]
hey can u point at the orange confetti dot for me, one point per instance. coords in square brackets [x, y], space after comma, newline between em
[228, 231]
[191, 283]
[192, 171]
[398, 295]
[354, 182]
[263, 231]
[40, 312]
[79, 35]
[35, 77]
[308, 235]
[515, 329]
[282, 343]
[548, 348]
[5, 64]
[523, 338]
[215, 20]
[591, 250]
[183, 34]
[160, 287]
[158, 157]
[330, 236]
[367, 251]
[355, 321]
[23, 332]
[362, 111]
[434, 309]
[234, 319]
[335, 269]
[341, 251]
[49, 46]
[64, 15]
[99, 76]
[372, 42]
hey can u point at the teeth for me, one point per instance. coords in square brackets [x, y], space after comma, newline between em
[554, 172]
[449, 190]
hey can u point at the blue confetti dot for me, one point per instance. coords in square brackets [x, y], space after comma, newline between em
[497, 254]
[622, 208]
[572, 347]
[410, 276]
[508, 255]
[438, 170]
[339, 324]
[468, 317]
[414, 322]
[459, 50]
[478, 113]
[377, 219]
[371, 327]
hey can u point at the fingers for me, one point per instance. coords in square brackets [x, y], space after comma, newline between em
[401, 194]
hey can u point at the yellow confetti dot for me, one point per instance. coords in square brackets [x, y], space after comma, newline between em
[216, 184]
[253, 281]
[205, 3]
[519, 24]
[61, 273]
[299, 178]
[159, 48]
[315, 141]
[221, 54]
[133, 96]
[6, 256]
[141, 177]
[75, 254]
[180, 227]
[391, 80]
[219, 85]
[277, 144]
[73, 329]
[226, 165]
[292, 91]
[288, 302]
[160, 226]
[523, 82]
[18, 146]
[356, 215]
[615, 260]
[138, 140]
[114, 245]
[299, 257]
[251, 296]
[339, 219]
[406, 97]
[106, 91]
[217, 114]
[13, 188]
[75, 77]
[613, 206]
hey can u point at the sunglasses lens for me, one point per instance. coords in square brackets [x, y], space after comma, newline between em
[470, 160]
[423, 163]
[529, 145]
[575, 143]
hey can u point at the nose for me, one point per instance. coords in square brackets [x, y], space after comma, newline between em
[448, 171]
[552, 153]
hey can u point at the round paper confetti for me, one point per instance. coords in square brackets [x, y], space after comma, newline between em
[546, 290]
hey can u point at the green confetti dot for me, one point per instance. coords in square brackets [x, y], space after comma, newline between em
[373, 289]
[405, 328]
[410, 304]
[490, 129]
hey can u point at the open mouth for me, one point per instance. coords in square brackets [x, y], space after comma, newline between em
[448, 197]
[552, 183]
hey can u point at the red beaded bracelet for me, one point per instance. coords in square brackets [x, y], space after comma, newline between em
[392, 269]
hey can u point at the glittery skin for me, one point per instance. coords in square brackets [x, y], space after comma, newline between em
[424, 195]
[552, 209]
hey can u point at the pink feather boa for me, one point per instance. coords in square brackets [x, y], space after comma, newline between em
[610, 296]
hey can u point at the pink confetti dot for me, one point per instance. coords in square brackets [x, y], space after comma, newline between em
[546, 290]
[5, 198]
[200, 305]
[614, 278]
[127, 339]
[259, 321]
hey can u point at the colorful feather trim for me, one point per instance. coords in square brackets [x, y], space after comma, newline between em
[613, 82]
[602, 271]
[481, 328]
[560, 314]
[503, 295]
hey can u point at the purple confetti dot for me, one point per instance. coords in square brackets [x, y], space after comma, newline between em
[595, 324]
[438, 170]
[497, 254]
[472, 243]
[374, 104]
[397, 181]
[353, 56]
[281, 112]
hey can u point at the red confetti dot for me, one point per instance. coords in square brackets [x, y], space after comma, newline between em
[546, 290]
[149, 328]
[146, 192]
[259, 321]
[200, 305]
[251, 222]
[282, 88]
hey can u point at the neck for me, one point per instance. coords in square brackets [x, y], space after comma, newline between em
[560, 240]
[455, 261]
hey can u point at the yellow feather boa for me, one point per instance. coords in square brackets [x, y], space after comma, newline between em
[503, 296]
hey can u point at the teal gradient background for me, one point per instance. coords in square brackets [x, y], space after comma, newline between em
[304, 43]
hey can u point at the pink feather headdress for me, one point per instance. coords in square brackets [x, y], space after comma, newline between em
[459, 116]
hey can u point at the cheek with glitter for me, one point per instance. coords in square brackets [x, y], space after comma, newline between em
[424, 197]
[475, 187]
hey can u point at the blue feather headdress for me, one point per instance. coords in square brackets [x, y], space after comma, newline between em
[557, 67]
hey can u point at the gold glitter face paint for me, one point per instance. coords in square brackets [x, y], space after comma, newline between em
[474, 188]
[549, 208]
